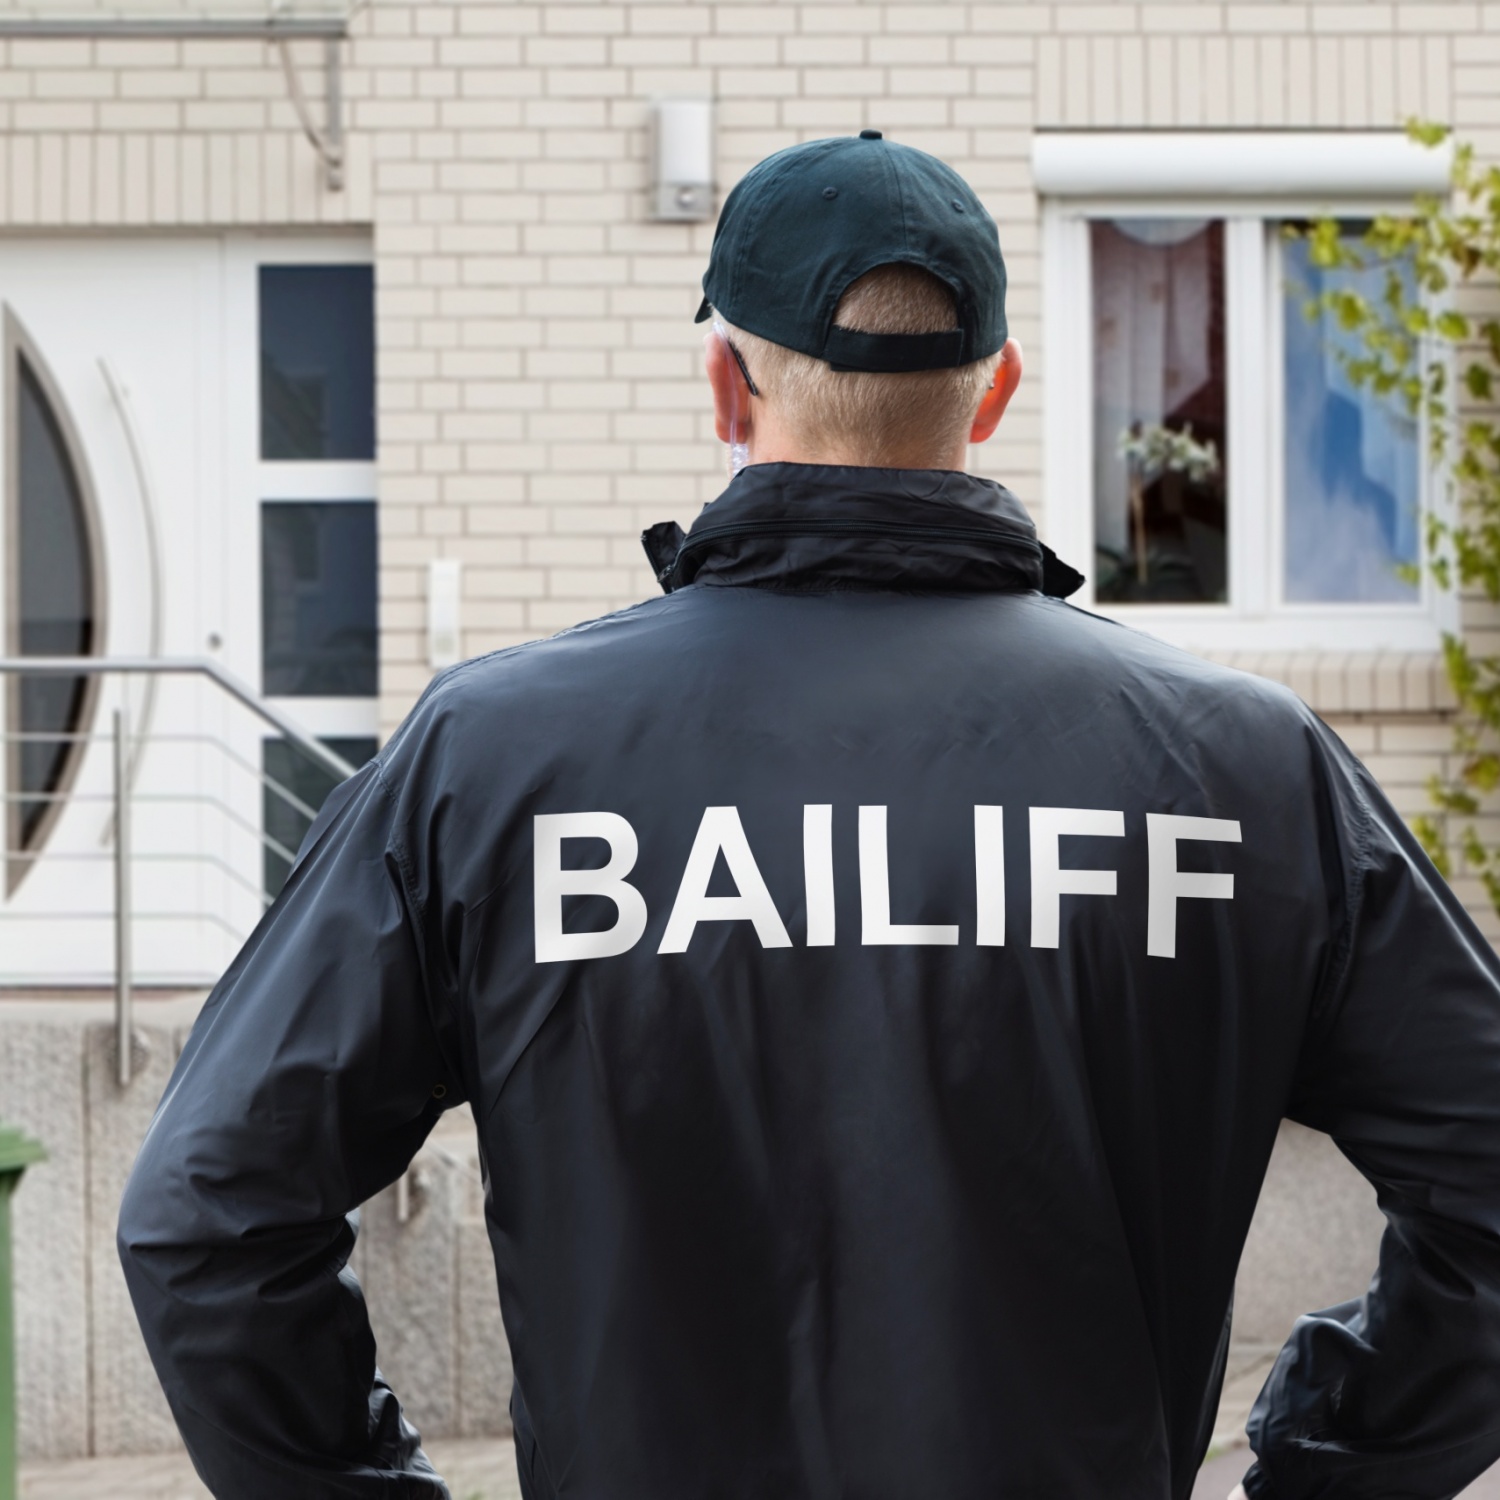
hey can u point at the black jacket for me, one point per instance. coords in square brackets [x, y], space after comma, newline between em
[877, 985]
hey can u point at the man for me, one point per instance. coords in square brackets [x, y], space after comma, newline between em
[877, 985]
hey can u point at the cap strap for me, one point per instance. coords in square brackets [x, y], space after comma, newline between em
[889, 353]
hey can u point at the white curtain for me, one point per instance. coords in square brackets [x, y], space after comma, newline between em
[1153, 342]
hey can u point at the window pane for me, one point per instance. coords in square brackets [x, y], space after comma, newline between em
[296, 775]
[1159, 410]
[1351, 456]
[55, 592]
[318, 636]
[317, 362]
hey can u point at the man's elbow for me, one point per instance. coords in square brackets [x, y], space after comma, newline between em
[154, 1229]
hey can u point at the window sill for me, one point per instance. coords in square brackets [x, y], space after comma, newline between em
[1352, 682]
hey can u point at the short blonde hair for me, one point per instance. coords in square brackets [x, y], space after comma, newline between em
[914, 418]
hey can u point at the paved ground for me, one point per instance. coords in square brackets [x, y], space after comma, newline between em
[1220, 1475]
[1228, 1455]
[485, 1469]
[476, 1469]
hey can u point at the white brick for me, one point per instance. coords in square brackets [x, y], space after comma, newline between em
[49, 178]
[1281, 19]
[1299, 81]
[50, 53]
[1271, 80]
[669, 20]
[1132, 65]
[1428, 18]
[572, 51]
[71, 84]
[1199, 79]
[1366, 16]
[78, 181]
[159, 83]
[1075, 80]
[1104, 79]
[1182, 20]
[122, 116]
[835, 51]
[53, 116]
[1328, 99]
[139, 52]
[1242, 64]
[839, 19]
[1160, 90]
[164, 155]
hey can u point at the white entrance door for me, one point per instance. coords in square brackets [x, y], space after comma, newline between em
[134, 497]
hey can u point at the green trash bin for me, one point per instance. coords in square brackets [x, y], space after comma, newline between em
[17, 1152]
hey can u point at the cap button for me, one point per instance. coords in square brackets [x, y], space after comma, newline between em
[871, 135]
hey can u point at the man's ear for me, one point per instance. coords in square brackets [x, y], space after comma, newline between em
[731, 394]
[997, 398]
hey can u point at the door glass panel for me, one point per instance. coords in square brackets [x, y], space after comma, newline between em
[1352, 456]
[55, 606]
[1160, 502]
[318, 606]
[317, 362]
[296, 776]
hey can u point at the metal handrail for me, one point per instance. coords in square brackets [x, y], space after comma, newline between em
[122, 796]
[67, 737]
[101, 666]
[177, 28]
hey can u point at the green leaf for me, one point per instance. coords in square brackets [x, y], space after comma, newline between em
[1452, 325]
[1428, 132]
[1429, 835]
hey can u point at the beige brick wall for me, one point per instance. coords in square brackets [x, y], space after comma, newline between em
[539, 392]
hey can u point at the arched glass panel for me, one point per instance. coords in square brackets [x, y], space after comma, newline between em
[54, 607]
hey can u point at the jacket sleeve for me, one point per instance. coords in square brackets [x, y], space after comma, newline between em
[1398, 1393]
[308, 1083]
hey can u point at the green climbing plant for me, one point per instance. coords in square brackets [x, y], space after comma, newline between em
[1410, 339]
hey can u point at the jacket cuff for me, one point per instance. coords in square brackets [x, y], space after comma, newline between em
[1258, 1484]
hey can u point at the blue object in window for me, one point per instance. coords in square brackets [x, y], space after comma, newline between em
[1352, 457]
[317, 362]
[318, 609]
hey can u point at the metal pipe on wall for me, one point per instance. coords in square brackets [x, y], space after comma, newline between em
[122, 899]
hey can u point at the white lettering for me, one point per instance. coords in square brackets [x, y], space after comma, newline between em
[989, 875]
[721, 832]
[1049, 881]
[1168, 883]
[817, 872]
[875, 892]
[551, 883]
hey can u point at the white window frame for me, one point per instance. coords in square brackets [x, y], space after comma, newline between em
[1256, 617]
[257, 480]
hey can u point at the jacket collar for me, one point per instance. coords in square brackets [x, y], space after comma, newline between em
[813, 526]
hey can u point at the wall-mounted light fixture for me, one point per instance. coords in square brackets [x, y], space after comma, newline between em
[682, 159]
[444, 601]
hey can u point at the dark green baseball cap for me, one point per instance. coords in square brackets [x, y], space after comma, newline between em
[805, 224]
